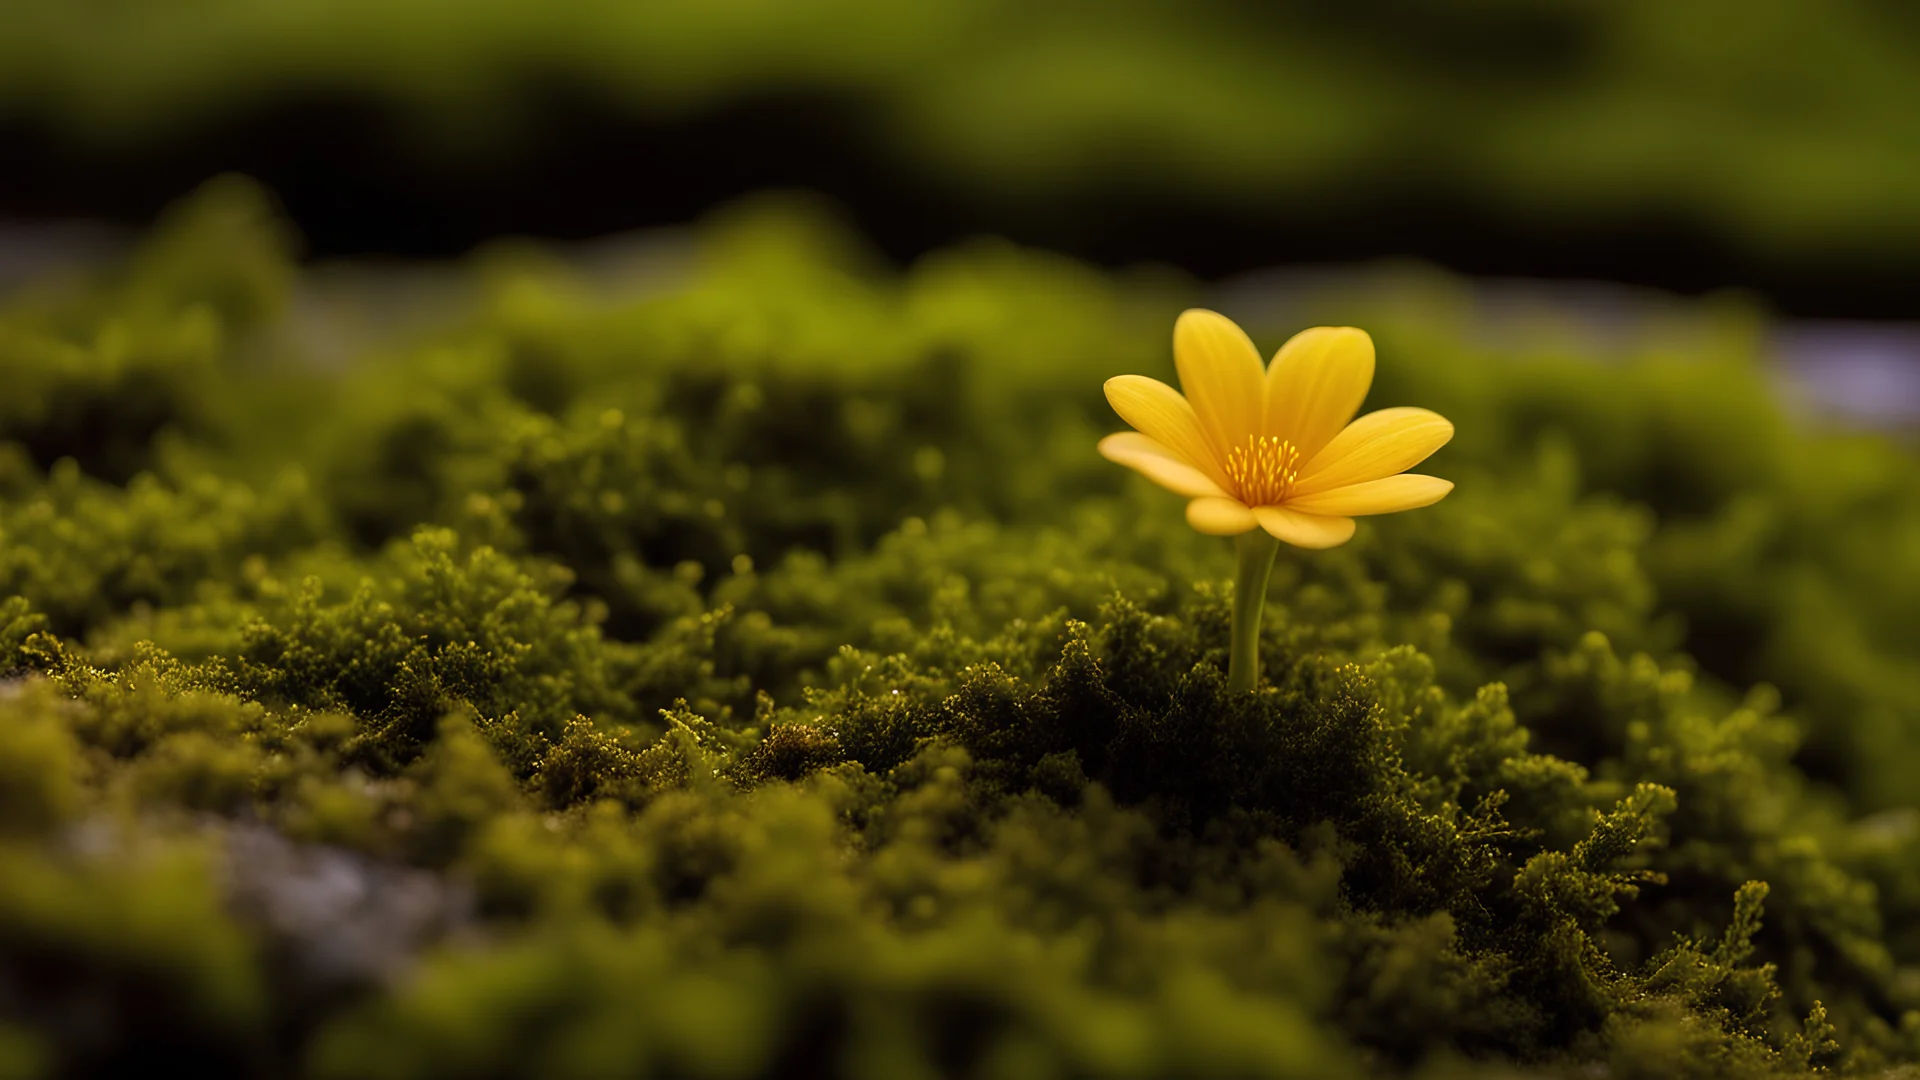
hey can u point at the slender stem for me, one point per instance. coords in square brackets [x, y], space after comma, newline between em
[1256, 550]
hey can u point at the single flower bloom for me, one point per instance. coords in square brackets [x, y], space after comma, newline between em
[1276, 446]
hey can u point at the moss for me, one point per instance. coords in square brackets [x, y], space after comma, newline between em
[462, 788]
[477, 629]
[132, 962]
[893, 770]
[38, 788]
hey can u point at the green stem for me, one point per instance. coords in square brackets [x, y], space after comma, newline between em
[1256, 550]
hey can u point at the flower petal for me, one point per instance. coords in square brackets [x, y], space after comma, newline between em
[1301, 530]
[1378, 444]
[1158, 464]
[1220, 371]
[1315, 385]
[1391, 494]
[1220, 517]
[1158, 411]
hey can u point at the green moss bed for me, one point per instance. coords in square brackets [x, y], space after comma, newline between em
[730, 658]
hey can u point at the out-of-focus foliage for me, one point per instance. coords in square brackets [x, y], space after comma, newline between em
[1786, 127]
[758, 673]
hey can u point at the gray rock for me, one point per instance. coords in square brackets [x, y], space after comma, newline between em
[341, 917]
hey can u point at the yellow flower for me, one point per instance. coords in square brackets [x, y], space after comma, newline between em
[1274, 448]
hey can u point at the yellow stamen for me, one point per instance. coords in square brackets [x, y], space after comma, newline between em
[1263, 471]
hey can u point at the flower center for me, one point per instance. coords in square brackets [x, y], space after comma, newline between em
[1263, 471]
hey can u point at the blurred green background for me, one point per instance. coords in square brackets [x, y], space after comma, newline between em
[1689, 145]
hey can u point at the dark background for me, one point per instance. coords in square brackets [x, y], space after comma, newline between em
[1690, 147]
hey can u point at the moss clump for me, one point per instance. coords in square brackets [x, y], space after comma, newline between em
[778, 685]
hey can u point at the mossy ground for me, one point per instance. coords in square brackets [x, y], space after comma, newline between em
[755, 672]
